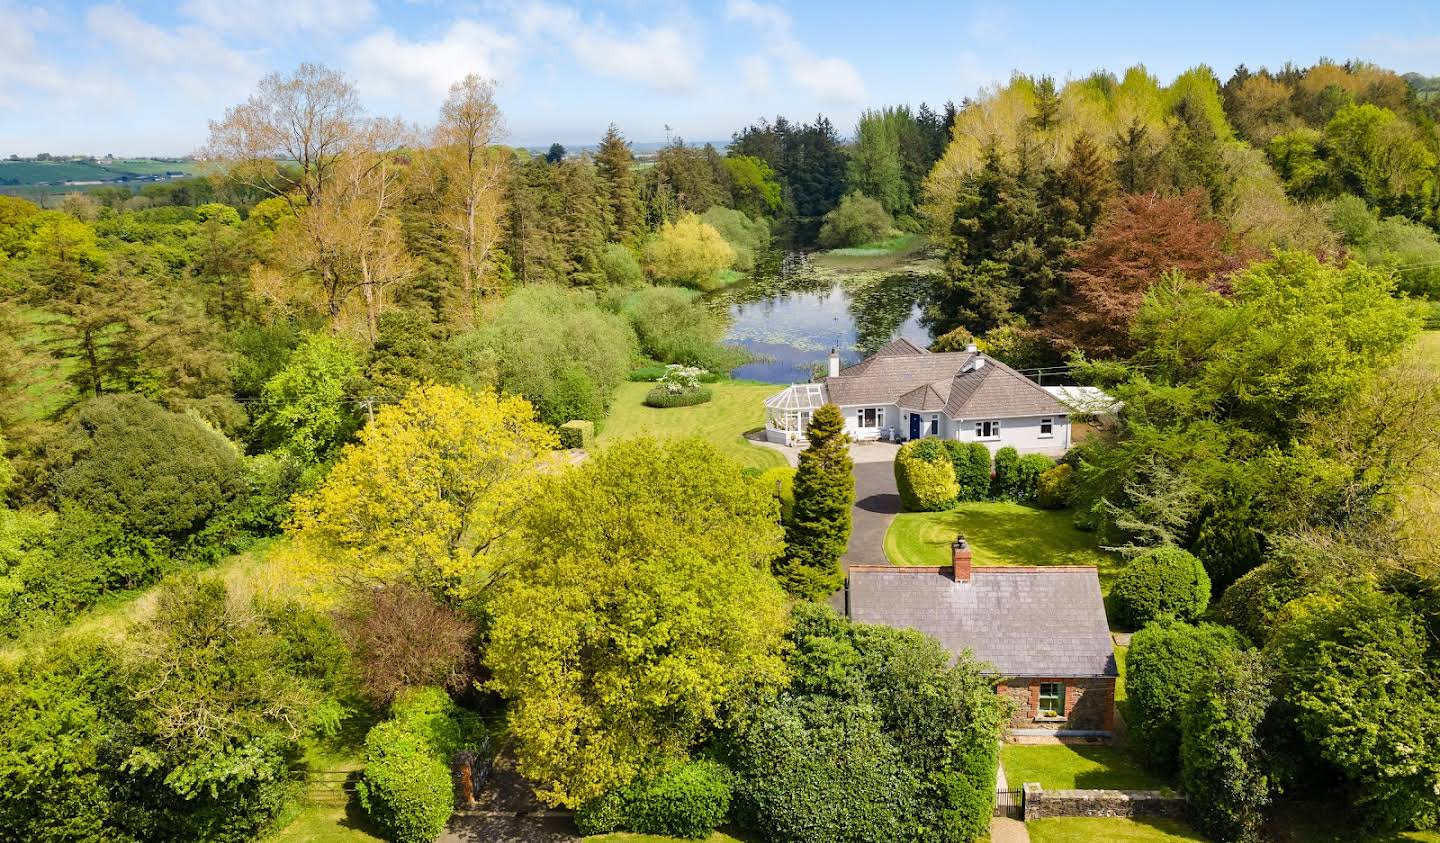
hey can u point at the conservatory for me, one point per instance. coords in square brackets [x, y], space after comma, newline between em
[787, 413]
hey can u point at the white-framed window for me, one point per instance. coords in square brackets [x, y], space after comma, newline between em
[1052, 699]
[870, 417]
[935, 425]
[987, 430]
[1047, 428]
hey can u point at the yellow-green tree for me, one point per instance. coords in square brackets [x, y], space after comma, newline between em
[640, 613]
[433, 484]
[688, 251]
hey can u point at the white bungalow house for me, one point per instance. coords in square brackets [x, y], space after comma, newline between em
[905, 392]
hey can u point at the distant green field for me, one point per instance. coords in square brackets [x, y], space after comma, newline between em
[21, 173]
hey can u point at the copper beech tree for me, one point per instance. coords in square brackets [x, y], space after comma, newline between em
[1140, 238]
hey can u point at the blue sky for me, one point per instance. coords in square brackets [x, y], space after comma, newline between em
[131, 77]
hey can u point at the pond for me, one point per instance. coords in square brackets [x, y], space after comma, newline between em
[796, 307]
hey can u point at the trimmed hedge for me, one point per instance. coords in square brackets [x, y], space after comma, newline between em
[577, 433]
[407, 788]
[925, 476]
[1007, 469]
[690, 800]
[972, 469]
[1161, 581]
[662, 398]
[1027, 475]
[1166, 660]
[1053, 489]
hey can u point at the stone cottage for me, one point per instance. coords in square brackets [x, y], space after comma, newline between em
[1042, 631]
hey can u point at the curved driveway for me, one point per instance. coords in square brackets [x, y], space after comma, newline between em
[876, 502]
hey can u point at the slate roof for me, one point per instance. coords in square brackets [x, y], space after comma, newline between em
[1035, 622]
[903, 373]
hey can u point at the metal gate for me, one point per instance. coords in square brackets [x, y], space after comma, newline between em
[1010, 803]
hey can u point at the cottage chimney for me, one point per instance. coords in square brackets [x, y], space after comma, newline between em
[960, 556]
[834, 363]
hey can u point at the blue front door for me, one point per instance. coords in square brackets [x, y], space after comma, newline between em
[914, 426]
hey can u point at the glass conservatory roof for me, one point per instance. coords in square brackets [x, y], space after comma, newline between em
[800, 396]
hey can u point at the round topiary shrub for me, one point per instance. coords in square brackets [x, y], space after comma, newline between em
[407, 789]
[1052, 490]
[1027, 475]
[925, 476]
[1007, 467]
[689, 800]
[161, 474]
[1161, 581]
[972, 469]
[661, 397]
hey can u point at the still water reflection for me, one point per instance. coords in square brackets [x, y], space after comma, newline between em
[794, 310]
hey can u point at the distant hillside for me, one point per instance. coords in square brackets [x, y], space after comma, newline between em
[32, 172]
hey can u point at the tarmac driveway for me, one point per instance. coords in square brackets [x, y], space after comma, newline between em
[877, 501]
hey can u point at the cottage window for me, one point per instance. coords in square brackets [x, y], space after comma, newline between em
[870, 417]
[1047, 428]
[1052, 699]
[987, 430]
[934, 425]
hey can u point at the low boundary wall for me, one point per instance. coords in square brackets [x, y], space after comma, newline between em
[1041, 803]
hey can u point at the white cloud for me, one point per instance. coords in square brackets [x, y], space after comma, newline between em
[755, 74]
[190, 57]
[25, 71]
[833, 80]
[664, 58]
[270, 18]
[386, 65]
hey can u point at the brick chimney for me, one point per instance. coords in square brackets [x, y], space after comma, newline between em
[960, 556]
[834, 363]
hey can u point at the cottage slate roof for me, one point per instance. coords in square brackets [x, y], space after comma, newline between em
[1035, 622]
[903, 373]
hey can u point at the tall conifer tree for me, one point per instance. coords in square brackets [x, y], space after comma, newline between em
[819, 527]
[619, 191]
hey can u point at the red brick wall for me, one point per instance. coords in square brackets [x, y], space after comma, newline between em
[1089, 703]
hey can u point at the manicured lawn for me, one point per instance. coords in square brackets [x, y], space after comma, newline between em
[1111, 830]
[1084, 767]
[738, 406]
[1001, 534]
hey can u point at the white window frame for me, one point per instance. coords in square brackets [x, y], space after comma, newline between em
[993, 428]
[877, 415]
[934, 427]
[1047, 422]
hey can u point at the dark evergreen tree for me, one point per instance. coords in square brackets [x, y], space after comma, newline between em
[819, 526]
[1137, 161]
[555, 154]
[619, 190]
[1047, 105]
[1192, 158]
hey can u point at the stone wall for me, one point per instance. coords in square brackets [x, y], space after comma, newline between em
[1041, 803]
[1089, 704]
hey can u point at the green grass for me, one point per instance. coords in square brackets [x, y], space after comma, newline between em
[738, 406]
[1001, 534]
[1121, 653]
[884, 254]
[889, 246]
[1111, 830]
[1083, 767]
[325, 812]
[37, 172]
[1429, 346]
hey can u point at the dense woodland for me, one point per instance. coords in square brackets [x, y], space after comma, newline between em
[352, 343]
